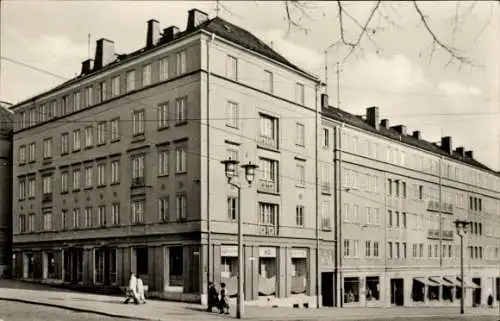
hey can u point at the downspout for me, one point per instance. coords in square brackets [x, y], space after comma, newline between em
[338, 152]
[440, 215]
[209, 233]
[317, 197]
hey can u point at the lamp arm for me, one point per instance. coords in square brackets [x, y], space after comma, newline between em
[233, 184]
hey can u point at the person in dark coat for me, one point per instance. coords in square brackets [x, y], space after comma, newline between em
[213, 297]
[224, 302]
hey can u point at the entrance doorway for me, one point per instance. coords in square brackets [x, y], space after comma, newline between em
[327, 283]
[476, 292]
[397, 292]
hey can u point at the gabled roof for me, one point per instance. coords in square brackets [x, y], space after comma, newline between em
[218, 26]
[356, 121]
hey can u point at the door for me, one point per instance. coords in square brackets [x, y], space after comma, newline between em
[476, 294]
[397, 292]
[327, 282]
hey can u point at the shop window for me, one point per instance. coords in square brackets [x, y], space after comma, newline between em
[351, 290]
[417, 291]
[175, 274]
[372, 288]
[433, 292]
[141, 256]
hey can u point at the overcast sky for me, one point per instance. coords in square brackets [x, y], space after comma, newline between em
[398, 76]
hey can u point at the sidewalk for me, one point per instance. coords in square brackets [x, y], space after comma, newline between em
[175, 311]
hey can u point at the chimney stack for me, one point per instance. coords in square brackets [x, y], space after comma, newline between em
[384, 123]
[416, 134]
[446, 144]
[170, 33]
[461, 151]
[87, 66]
[400, 129]
[469, 154]
[153, 35]
[372, 117]
[195, 18]
[104, 53]
[324, 101]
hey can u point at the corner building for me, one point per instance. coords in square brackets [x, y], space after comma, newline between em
[397, 198]
[6, 128]
[118, 169]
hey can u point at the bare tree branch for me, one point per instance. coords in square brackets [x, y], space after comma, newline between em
[454, 55]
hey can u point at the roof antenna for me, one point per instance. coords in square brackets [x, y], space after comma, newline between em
[217, 8]
[88, 45]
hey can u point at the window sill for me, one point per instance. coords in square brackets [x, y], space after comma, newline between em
[181, 123]
[115, 184]
[277, 193]
[32, 162]
[76, 150]
[88, 147]
[22, 164]
[162, 128]
[88, 188]
[181, 173]
[64, 154]
[76, 190]
[268, 148]
[101, 144]
[64, 193]
[163, 175]
[235, 127]
[101, 186]
[114, 140]
[138, 138]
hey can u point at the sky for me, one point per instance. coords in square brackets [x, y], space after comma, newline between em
[395, 72]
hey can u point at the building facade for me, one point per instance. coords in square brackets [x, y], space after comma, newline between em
[398, 196]
[118, 171]
[6, 127]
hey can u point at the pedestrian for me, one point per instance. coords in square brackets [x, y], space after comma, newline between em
[213, 297]
[140, 291]
[132, 289]
[224, 302]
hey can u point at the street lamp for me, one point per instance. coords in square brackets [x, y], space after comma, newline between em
[231, 169]
[462, 227]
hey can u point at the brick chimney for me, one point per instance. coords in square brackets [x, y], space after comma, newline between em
[87, 66]
[153, 35]
[461, 151]
[170, 33]
[417, 134]
[469, 154]
[400, 129]
[104, 53]
[372, 117]
[384, 123]
[195, 18]
[446, 144]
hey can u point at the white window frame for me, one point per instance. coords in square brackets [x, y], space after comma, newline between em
[268, 81]
[231, 67]
[232, 114]
[22, 154]
[138, 211]
[300, 174]
[130, 80]
[181, 110]
[300, 132]
[163, 113]
[47, 184]
[180, 159]
[164, 72]
[101, 133]
[115, 86]
[89, 136]
[76, 178]
[64, 182]
[115, 129]
[181, 206]
[115, 214]
[299, 93]
[163, 162]
[115, 171]
[77, 140]
[64, 143]
[76, 101]
[181, 63]
[146, 75]
[138, 122]
[88, 176]
[101, 174]
[163, 208]
[47, 148]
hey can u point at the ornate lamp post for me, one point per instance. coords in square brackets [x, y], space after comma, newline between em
[462, 227]
[231, 168]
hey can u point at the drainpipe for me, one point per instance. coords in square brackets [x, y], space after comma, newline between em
[209, 233]
[440, 215]
[338, 225]
[317, 197]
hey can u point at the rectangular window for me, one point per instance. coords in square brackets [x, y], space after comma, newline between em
[326, 223]
[299, 134]
[115, 214]
[164, 75]
[76, 101]
[76, 140]
[76, 179]
[64, 219]
[232, 208]
[181, 65]
[268, 214]
[64, 105]
[88, 222]
[101, 174]
[300, 172]
[232, 114]
[368, 246]
[326, 138]
[268, 81]
[181, 110]
[268, 180]
[138, 120]
[31, 187]
[64, 182]
[88, 96]
[299, 215]
[115, 172]
[299, 93]
[31, 223]
[163, 209]
[130, 80]
[138, 169]
[268, 131]
[163, 162]
[115, 86]
[163, 111]
[389, 187]
[181, 207]
[146, 75]
[22, 154]
[102, 91]
[64, 143]
[47, 148]
[89, 136]
[31, 152]
[389, 250]
[47, 184]
[231, 68]
[89, 173]
[180, 160]
[138, 211]
[115, 129]
[76, 218]
[47, 221]
[101, 215]
[101, 133]
[375, 249]
[22, 188]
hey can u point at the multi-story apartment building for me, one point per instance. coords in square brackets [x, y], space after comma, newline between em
[6, 127]
[397, 198]
[118, 170]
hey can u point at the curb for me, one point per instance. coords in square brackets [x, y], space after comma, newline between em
[65, 307]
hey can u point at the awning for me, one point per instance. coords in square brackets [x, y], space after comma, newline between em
[436, 281]
[450, 281]
[426, 281]
[467, 283]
